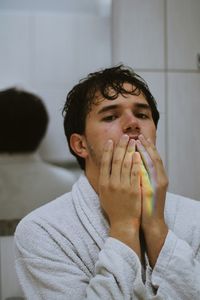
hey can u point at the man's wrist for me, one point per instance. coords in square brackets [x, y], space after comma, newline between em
[154, 227]
[127, 233]
[154, 234]
[129, 227]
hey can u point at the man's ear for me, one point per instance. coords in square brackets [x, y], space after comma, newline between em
[78, 144]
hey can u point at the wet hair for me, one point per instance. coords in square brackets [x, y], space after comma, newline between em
[23, 121]
[109, 83]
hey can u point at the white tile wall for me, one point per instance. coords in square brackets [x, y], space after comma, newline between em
[138, 33]
[86, 6]
[183, 134]
[183, 33]
[15, 33]
[69, 46]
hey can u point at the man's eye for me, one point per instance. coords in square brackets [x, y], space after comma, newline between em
[142, 116]
[109, 118]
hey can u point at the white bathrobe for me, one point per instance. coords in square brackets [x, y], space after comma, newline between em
[63, 252]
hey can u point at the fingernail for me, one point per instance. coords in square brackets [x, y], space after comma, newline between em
[132, 142]
[141, 137]
[131, 145]
[124, 138]
[138, 142]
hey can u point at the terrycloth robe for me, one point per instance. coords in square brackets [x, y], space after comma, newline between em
[63, 251]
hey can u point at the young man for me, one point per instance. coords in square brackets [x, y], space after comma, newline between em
[118, 234]
[26, 181]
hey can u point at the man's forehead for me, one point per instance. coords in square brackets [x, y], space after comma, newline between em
[135, 99]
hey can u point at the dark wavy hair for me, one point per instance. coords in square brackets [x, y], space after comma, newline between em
[80, 99]
[23, 121]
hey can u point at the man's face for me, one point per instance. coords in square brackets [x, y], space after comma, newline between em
[110, 119]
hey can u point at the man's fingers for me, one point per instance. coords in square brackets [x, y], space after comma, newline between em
[118, 158]
[159, 181]
[151, 150]
[136, 172]
[147, 193]
[127, 164]
[148, 163]
[145, 156]
[156, 159]
[106, 162]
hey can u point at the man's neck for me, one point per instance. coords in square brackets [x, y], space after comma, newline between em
[93, 179]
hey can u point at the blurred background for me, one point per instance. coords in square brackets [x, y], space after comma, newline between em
[46, 46]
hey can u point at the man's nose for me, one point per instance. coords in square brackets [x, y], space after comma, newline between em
[130, 124]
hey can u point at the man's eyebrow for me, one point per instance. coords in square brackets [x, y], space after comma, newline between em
[142, 105]
[136, 105]
[108, 108]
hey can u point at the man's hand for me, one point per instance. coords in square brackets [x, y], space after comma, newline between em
[154, 188]
[120, 190]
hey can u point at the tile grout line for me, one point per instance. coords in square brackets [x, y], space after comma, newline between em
[166, 87]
